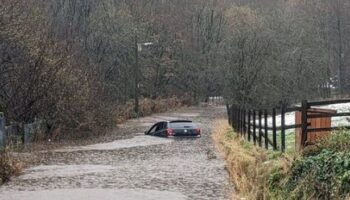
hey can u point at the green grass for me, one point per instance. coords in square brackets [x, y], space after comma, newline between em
[290, 143]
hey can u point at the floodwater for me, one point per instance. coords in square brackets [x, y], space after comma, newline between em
[137, 141]
[139, 167]
[336, 121]
[93, 194]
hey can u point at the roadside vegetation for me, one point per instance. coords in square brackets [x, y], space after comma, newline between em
[9, 166]
[321, 172]
[149, 106]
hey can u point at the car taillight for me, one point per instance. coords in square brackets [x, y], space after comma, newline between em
[170, 132]
[198, 130]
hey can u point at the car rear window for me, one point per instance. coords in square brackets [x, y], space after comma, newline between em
[182, 125]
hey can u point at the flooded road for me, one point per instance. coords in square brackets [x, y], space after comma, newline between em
[139, 167]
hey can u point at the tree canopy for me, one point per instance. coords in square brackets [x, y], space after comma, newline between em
[71, 61]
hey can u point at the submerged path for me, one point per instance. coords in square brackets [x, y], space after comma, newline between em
[139, 167]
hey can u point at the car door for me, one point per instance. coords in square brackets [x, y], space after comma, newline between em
[160, 129]
[152, 130]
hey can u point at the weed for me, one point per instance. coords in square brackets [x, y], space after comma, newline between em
[8, 166]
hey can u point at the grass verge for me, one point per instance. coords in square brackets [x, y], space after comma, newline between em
[249, 167]
[321, 172]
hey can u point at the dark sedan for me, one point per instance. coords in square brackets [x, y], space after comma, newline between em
[174, 128]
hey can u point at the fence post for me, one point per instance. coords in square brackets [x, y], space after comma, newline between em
[244, 123]
[228, 108]
[304, 108]
[239, 121]
[260, 128]
[232, 117]
[236, 120]
[28, 133]
[2, 131]
[274, 130]
[249, 126]
[254, 127]
[266, 131]
[283, 130]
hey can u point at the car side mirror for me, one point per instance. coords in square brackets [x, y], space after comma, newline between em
[146, 132]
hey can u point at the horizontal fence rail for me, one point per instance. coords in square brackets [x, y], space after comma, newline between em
[253, 124]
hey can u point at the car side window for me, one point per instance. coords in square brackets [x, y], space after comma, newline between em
[153, 129]
[160, 126]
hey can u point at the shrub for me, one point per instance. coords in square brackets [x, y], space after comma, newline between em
[322, 173]
[337, 142]
[148, 107]
[8, 166]
[323, 176]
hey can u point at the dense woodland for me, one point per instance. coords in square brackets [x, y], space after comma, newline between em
[74, 61]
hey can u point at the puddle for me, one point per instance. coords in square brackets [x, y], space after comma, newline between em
[137, 141]
[92, 194]
[46, 171]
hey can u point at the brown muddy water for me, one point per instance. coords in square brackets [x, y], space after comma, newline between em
[140, 167]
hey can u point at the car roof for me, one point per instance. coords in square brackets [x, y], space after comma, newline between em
[179, 121]
[176, 121]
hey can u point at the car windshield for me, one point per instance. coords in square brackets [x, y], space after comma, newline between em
[176, 125]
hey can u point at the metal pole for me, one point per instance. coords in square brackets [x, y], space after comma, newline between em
[136, 77]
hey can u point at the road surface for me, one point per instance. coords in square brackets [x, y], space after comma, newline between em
[137, 167]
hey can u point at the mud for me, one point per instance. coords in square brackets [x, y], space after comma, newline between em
[138, 167]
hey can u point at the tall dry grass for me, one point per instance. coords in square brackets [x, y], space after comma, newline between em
[9, 166]
[249, 167]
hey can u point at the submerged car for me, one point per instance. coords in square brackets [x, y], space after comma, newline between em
[174, 128]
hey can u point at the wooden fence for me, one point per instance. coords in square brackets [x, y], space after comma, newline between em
[25, 133]
[253, 124]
